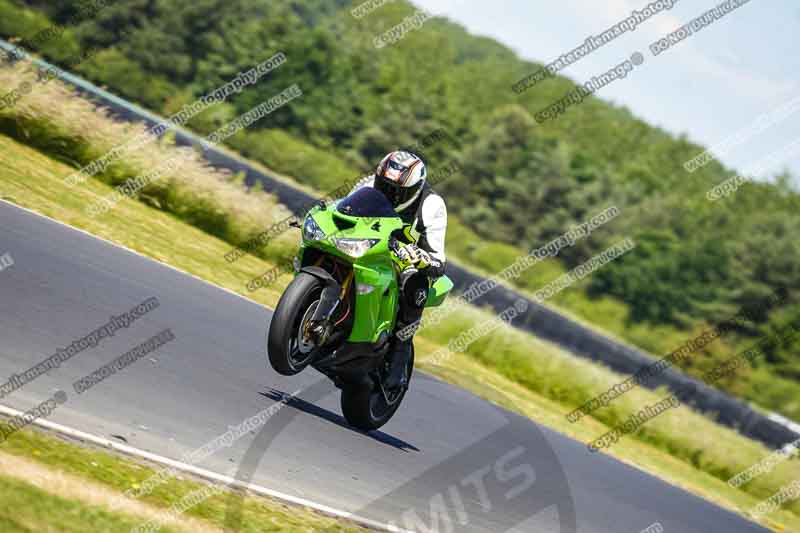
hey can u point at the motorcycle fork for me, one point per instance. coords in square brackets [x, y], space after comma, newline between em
[330, 298]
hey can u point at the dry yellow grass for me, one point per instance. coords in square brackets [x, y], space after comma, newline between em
[81, 121]
[90, 493]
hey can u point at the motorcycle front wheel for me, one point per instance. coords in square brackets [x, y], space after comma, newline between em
[287, 351]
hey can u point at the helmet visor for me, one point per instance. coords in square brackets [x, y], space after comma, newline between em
[394, 171]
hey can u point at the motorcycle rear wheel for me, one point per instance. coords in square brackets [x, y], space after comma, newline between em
[368, 408]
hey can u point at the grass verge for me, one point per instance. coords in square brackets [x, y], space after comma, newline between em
[26, 508]
[102, 477]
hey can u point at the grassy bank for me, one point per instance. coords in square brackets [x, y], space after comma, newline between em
[26, 508]
[508, 367]
[49, 484]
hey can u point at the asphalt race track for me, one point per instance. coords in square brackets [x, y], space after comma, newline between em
[448, 461]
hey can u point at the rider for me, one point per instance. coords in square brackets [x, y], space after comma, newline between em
[401, 177]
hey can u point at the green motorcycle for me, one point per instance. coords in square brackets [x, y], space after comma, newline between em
[338, 313]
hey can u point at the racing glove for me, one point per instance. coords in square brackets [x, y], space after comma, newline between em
[412, 254]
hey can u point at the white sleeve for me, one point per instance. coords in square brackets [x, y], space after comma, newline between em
[434, 218]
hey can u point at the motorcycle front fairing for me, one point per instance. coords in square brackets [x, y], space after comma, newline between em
[357, 230]
[376, 300]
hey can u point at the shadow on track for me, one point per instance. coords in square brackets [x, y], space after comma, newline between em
[320, 412]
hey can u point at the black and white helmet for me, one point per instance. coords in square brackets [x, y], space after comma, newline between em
[400, 177]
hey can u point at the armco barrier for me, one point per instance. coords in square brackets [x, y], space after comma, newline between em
[540, 320]
[550, 325]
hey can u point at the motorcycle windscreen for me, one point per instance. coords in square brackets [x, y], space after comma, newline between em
[366, 202]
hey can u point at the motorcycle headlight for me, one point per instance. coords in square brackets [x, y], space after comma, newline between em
[312, 231]
[355, 247]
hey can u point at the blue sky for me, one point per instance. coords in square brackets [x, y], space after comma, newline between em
[712, 85]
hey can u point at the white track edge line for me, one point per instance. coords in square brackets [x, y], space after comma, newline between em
[204, 473]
